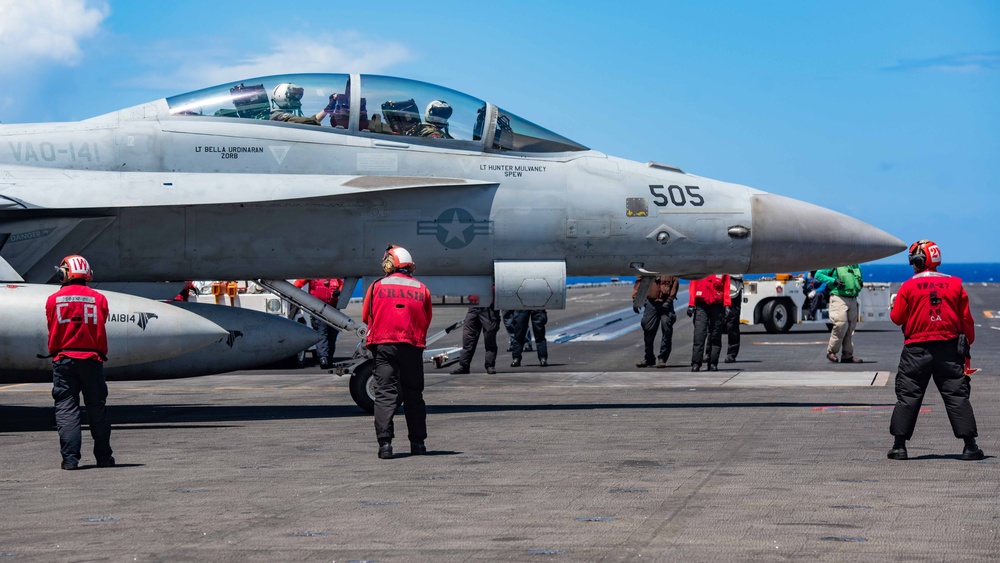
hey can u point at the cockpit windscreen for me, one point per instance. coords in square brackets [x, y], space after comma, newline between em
[386, 106]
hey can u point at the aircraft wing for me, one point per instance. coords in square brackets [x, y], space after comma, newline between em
[50, 221]
[37, 188]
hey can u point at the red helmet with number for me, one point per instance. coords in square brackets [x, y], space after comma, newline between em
[397, 258]
[925, 255]
[74, 267]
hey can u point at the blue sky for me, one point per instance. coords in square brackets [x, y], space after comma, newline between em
[886, 111]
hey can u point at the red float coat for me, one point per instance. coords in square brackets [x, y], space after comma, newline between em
[933, 306]
[326, 290]
[710, 290]
[76, 317]
[397, 309]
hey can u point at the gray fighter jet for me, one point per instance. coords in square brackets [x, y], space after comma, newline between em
[313, 175]
[236, 182]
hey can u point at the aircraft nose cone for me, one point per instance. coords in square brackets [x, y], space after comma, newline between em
[790, 235]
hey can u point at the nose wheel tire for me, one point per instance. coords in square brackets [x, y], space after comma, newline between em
[363, 386]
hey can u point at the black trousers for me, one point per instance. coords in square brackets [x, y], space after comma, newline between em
[708, 320]
[732, 328]
[326, 347]
[816, 303]
[536, 319]
[399, 375]
[69, 378]
[483, 320]
[919, 363]
[658, 316]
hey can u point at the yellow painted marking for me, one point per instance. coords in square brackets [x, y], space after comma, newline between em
[15, 386]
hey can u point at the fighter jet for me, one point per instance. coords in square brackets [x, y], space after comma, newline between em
[313, 175]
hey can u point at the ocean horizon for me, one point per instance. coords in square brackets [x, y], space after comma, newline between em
[975, 272]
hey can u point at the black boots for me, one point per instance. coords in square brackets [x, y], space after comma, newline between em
[898, 450]
[972, 451]
[384, 449]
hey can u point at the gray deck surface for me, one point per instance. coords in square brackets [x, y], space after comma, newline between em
[780, 456]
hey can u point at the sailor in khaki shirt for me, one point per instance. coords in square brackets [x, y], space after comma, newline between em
[658, 314]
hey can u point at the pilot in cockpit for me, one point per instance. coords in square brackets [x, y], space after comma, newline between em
[435, 123]
[287, 100]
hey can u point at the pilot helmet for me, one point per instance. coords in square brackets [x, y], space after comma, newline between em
[438, 112]
[287, 96]
[74, 267]
[925, 255]
[397, 258]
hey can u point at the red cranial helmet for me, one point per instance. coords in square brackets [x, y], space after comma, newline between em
[74, 267]
[925, 255]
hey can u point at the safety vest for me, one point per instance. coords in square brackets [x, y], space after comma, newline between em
[397, 309]
[933, 306]
[710, 290]
[76, 317]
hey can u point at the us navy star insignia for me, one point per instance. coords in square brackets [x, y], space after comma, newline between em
[455, 228]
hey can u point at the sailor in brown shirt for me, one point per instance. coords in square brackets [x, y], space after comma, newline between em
[658, 313]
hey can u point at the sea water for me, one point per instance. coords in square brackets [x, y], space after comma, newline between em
[970, 273]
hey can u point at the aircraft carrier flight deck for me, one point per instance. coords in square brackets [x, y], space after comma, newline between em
[779, 456]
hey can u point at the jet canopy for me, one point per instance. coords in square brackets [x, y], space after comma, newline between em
[371, 105]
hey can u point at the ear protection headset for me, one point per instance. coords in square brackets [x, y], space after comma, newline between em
[396, 258]
[74, 267]
[925, 254]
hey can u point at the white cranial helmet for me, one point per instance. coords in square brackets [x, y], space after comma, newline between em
[287, 96]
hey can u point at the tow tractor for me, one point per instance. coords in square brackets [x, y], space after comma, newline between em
[778, 303]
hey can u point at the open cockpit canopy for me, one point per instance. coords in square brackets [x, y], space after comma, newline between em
[371, 105]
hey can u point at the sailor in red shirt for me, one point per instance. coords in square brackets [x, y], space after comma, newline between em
[708, 303]
[78, 346]
[938, 329]
[327, 291]
[397, 310]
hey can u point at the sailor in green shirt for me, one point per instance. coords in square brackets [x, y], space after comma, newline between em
[845, 283]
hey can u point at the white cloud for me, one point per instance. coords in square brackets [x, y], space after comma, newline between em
[33, 31]
[347, 51]
[960, 63]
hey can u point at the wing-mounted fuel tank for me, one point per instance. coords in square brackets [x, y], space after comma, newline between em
[253, 339]
[530, 284]
[139, 331]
